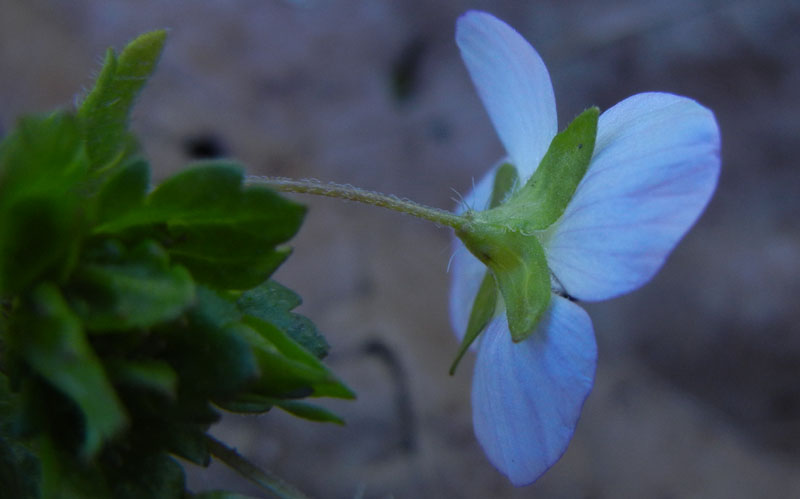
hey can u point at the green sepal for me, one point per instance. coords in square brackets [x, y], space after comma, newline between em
[505, 180]
[274, 303]
[137, 289]
[544, 197]
[483, 308]
[520, 270]
[106, 110]
[482, 312]
[49, 337]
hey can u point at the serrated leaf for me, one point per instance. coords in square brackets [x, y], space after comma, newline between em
[309, 411]
[187, 441]
[124, 191]
[155, 475]
[209, 354]
[149, 374]
[273, 303]
[19, 470]
[50, 339]
[285, 362]
[64, 477]
[41, 218]
[106, 110]
[138, 290]
[220, 494]
[223, 232]
[544, 197]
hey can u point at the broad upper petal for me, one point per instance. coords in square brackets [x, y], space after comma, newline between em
[527, 396]
[513, 84]
[655, 166]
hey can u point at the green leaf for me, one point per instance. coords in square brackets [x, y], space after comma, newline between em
[155, 475]
[209, 353]
[545, 196]
[106, 110]
[258, 404]
[19, 470]
[223, 232]
[286, 366]
[41, 217]
[273, 303]
[520, 270]
[137, 290]
[220, 494]
[124, 191]
[50, 339]
[150, 374]
[309, 411]
[64, 477]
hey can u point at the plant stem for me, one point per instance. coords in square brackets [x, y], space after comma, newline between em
[248, 470]
[391, 202]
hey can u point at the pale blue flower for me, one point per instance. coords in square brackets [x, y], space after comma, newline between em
[655, 165]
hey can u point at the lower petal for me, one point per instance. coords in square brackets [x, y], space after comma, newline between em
[527, 396]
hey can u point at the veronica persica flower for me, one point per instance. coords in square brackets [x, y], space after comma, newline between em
[583, 215]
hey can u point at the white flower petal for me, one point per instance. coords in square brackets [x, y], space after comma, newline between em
[513, 84]
[467, 271]
[655, 166]
[527, 396]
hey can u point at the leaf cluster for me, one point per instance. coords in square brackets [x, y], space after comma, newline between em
[130, 316]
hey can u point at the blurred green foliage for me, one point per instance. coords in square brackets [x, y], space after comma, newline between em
[130, 317]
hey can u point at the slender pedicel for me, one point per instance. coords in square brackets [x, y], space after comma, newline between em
[391, 202]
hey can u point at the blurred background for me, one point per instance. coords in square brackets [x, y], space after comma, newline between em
[698, 382]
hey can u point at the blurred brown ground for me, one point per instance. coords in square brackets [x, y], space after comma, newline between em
[697, 391]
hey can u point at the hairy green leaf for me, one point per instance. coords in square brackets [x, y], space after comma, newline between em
[287, 368]
[273, 303]
[49, 337]
[223, 232]
[42, 166]
[137, 290]
[106, 110]
[124, 191]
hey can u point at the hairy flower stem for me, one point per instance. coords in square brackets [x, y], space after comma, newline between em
[315, 187]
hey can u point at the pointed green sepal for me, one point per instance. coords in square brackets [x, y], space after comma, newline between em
[483, 308]
[482, 312]
[520, 270]
[543, 199]
[106, 110]
[505, 180]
